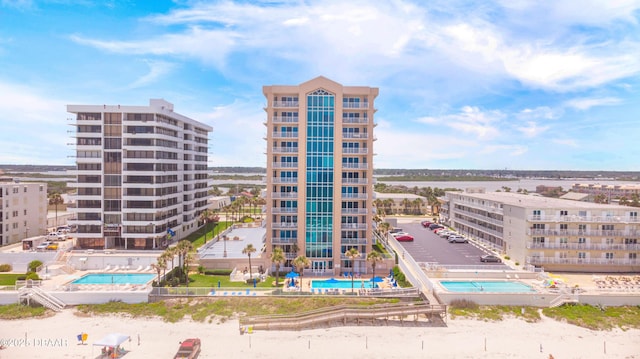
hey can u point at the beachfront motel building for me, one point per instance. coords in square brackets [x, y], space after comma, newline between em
[549, 233]
[23, 211]
[141, 175]
[320, 173]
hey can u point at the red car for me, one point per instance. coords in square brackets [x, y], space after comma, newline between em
[425, 224]
[404, 238]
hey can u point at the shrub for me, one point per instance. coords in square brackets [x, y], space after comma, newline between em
[32, 276]
[33, 265]
[517, 263]
[21, 277]
[201, 269]
[5, 268]
[218, 272]
[463, 304]
[507, 257]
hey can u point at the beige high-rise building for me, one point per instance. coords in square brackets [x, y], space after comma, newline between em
[320, 173]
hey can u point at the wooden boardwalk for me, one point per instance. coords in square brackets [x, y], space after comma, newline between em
[347, 314]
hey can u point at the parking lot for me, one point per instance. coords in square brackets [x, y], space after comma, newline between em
[429, 247]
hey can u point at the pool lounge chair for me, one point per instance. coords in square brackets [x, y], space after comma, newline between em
[107, 268]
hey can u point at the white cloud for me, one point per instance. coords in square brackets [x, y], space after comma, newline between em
[587, 103]
[570, 142]
[470, 120]
[157, 69]
[531, 129]
[542, 112]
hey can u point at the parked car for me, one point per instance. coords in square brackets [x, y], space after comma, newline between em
[426, 224]
[433, 226]
[52, 247]
[43, 246]
[63, 229]
[405, 238]
[189, 349]
[400, 234]
[395, 230]
[457, 239]
[438, 230]
[490, 258]
[444, 233]
[55, 236]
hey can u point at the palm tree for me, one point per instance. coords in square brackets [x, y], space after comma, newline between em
[384, 228]
[374, 257]
[204, 217]
[388, 204]
[160, 266]
[301, 262]
[183, 248]
[418, 202]
[56, 199]
[188, 259]
[406, 203]
[248, 250]
[352, 254]
[277, 258]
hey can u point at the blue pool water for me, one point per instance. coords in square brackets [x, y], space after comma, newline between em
[341, 284]
[486, 286]
[115, 278]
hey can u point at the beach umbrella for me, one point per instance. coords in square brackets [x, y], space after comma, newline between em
[292, 274]
[331, 280]
[377, 279]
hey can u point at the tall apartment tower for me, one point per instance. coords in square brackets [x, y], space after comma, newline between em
[320, 173]
[141, 175]
[23, 211]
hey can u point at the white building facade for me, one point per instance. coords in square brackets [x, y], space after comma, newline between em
[556, 234]
[141, 175]
[23, 212]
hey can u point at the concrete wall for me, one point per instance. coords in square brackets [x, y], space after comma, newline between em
[86, 297]
[100, 260]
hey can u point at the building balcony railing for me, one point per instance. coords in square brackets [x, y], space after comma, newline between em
[285, 119]
[356, 105]
[354, 211]
[347, 226]
[583, 233]
[285, 103]
[283, 210]
[354, 181]
[279, 134]
[353, 241]
[284, 164]
[355, 166]
[285, 180]
[355, 151]
[354, 195]
[284, 194]
[280, 241]
[284, 225]
[357, 136]
[284, 149]
[480, 217]
[586, 246]
[574, 218]
[479, 228]
[355, 120]
[582, 261]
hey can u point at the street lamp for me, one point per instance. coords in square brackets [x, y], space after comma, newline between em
[26, 232]
[224, 240]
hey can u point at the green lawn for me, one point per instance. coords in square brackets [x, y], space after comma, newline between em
[211, 281]
[197, 237]
[9, 278]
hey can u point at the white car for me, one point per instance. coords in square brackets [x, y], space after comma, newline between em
[43, 246]
[54, 236]
[396, 234]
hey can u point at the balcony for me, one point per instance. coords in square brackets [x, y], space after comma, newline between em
[578, 219]
[285, 180]
[354, 181]
[287, 104]
[353, 241]
[284, 225]
[355, 120]
[355, 166]
[283, 241]
[277, 210]
[583, 261]
[353, 226]
[287, 119]
[586, 246]
[347, 196]
[354, 211]
[356, 105]
[280, 134]
[284, 149]
[284, 164]
[284, 194]
[357, 136]
[583, 233]
[355, 151]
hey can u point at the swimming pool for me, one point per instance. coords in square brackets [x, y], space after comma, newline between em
[115, 278]
[341, 284]
[486, 286]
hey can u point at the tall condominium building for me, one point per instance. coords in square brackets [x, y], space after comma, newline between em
[141, 175]
[320, 173]
[23, 211]
[556, 234]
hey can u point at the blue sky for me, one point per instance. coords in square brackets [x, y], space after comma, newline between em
[498, 84]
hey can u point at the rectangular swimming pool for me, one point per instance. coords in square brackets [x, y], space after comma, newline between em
[486, 286]
[115, 278]
[341, 284]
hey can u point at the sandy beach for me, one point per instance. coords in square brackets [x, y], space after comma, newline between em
[56, 337]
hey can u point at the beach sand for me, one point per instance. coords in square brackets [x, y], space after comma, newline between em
[56, 337]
